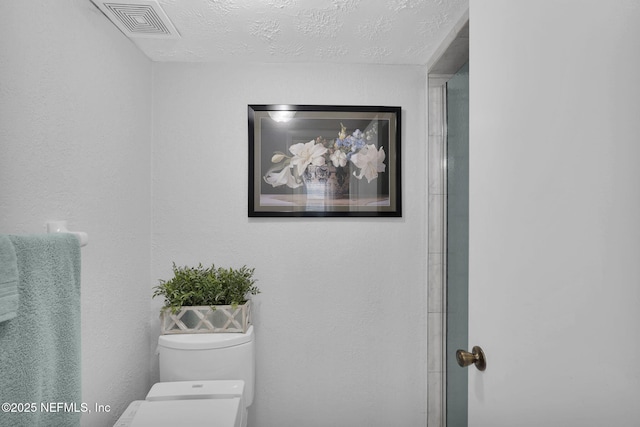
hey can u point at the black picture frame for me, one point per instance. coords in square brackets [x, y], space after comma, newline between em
[324, 161]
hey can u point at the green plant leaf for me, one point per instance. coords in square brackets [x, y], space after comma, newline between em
[193, 286]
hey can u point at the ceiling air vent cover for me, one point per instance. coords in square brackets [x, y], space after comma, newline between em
[139, 18]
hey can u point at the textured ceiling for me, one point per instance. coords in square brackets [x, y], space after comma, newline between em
[323, 31]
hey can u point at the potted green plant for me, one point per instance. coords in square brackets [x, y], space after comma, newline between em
[206, 299]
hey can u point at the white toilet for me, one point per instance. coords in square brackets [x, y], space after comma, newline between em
[205, 379]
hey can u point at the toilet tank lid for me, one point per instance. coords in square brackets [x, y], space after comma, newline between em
[205, 341]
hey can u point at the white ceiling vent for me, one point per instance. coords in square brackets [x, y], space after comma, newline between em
[139, 18]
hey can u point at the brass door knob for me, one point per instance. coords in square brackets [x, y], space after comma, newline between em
[476, 357]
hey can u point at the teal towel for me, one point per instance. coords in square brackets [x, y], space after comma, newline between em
[40, 347]
[8, 279]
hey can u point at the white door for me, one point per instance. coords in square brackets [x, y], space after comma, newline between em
[554, 228]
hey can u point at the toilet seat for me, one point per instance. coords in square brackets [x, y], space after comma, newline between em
[199, 403]
[200, 412]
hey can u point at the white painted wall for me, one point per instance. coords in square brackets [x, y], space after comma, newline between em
[554, 210]
[75, 137]
[341, 322]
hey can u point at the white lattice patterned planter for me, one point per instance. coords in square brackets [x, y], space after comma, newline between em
[206, 319]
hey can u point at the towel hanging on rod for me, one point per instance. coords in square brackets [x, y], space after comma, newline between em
[61, 227]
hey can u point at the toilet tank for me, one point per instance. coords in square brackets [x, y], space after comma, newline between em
[209, 356]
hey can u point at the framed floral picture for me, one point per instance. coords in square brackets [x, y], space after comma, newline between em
[328, 161]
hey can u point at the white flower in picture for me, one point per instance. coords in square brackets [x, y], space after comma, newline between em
[370, 161]
[339, 159]
[283, 177]
[305, 154]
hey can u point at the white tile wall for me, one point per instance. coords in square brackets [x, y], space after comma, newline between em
[436, 255]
